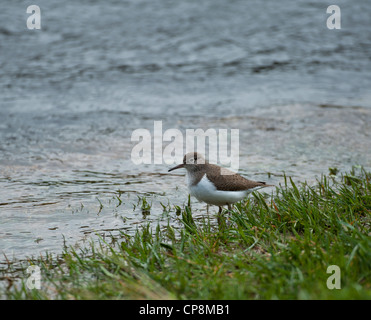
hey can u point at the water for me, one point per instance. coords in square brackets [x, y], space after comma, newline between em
[72, 93]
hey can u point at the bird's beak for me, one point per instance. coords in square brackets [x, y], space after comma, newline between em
[176, 167]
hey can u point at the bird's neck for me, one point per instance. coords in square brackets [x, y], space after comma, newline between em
[195, 174]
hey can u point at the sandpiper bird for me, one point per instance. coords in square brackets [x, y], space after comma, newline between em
[213, 184]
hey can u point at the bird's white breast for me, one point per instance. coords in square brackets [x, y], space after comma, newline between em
[206, 191]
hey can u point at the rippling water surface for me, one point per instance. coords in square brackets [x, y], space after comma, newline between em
[72, 93]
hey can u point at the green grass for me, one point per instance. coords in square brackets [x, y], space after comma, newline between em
[270, 247]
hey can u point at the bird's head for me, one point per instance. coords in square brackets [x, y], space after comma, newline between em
[190, 161]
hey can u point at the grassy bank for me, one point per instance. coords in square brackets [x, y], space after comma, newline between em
[272, 246]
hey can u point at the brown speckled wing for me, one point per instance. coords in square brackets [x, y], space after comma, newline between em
[230, 182]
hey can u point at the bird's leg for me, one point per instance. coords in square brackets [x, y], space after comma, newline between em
[207, 209]
[229, 212]
[220, 215]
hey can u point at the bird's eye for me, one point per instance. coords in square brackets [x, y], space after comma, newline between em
[191, 160]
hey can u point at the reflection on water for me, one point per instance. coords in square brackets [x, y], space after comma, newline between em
[73, 92]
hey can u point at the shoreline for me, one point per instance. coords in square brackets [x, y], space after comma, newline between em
[280, 244]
